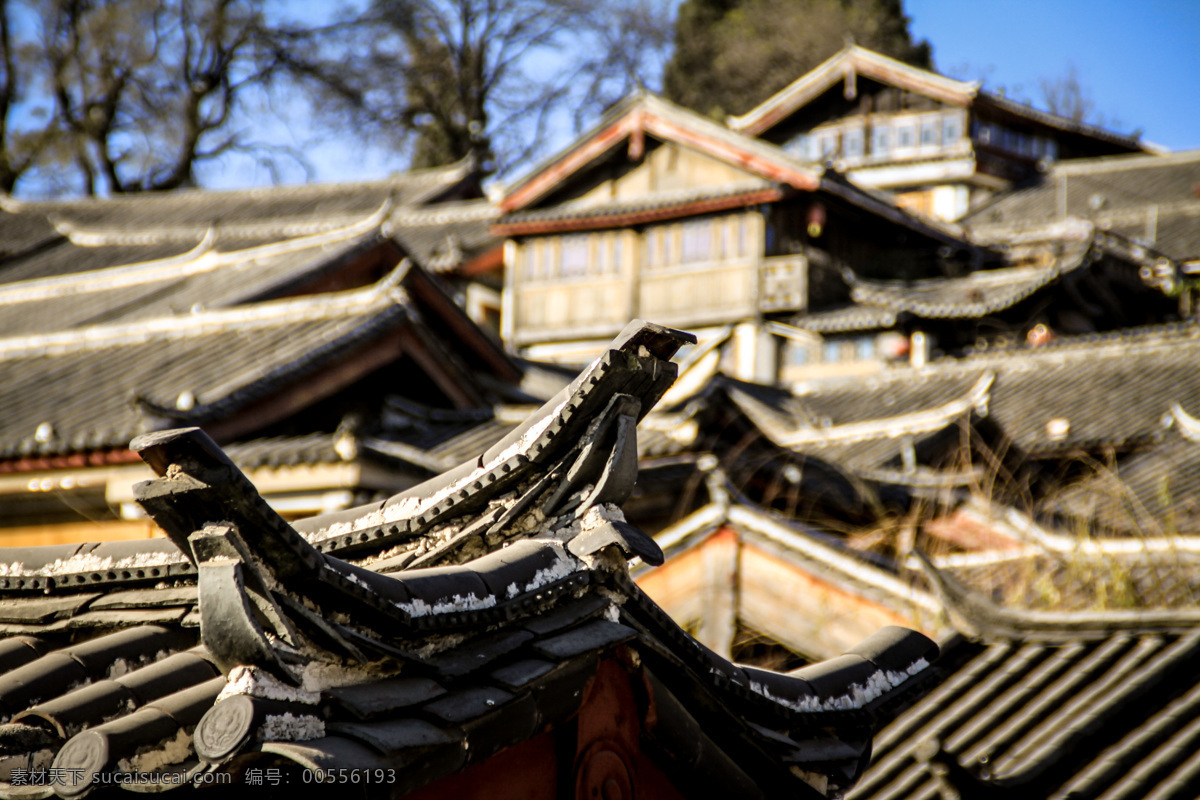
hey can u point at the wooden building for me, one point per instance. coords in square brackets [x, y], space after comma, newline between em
[942, 146]
[661, 213]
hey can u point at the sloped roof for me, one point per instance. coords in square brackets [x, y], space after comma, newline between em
[96, 387]
[1105, 390]
[775, 173]
[278, 208]
[369, 660]
[1036, 257]
[644, 114]
[646, 208]
[858, 583]
[442, 237]
[1157, 490]
[1056, 705]
[1149, 199]
[150, 239]
[854, 60]
[202, 278]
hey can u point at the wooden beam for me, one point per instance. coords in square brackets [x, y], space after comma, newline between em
[727, 151]
[586, 152]
[718, 624]
[603, 221]
[308, 390]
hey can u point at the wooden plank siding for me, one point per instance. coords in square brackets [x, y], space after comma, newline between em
[712, 587]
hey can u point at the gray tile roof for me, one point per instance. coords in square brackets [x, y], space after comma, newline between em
[199, 279]
[443, 237]
[1069, 717]
[1149, 199]
[1113, 390]
[1029, 262]
[1156, 491]
[97, 387]
[974, 295]
[54, 239]
[420, 671]
[1086, 704]
[663, 200]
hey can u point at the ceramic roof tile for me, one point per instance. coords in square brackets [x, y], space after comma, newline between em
[1116, 390]
[524, 601]
[1063, 718]
[1149, 198]
[124, 376]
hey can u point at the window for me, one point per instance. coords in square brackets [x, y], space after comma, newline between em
[905, 136]
[651, 258]
[602, 253]
[854, 143]
[796, 354]
[697, 241]
[1051, 150]
[528, 263]
[743, 248]
[828, 145]
[573, 259]
[616, 253]
[880, 140]
[929, 131]
[864, 348]
[800, 146]
[831, 351]
[950, 129]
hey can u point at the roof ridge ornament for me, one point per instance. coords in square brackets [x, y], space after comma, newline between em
[549, 492]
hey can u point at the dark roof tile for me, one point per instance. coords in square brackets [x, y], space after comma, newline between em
[424, 690]
[379, 698]
[595, 635]
[395, 736]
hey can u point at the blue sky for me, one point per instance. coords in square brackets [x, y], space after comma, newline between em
[1139, 60]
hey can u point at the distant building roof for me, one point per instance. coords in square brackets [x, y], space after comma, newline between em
[1149, 199]
[853, 60]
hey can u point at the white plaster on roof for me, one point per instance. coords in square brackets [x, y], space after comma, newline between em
[457, 603]
[288, 727]
[89, 562]
[174, 751]
[255, 682]
[561, 568]
[857, 695]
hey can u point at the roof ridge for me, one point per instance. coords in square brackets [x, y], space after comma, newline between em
[921, 421]
[1123, 161]
[439, 175]
[356, 302]
[833, 68]
[204, 257]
